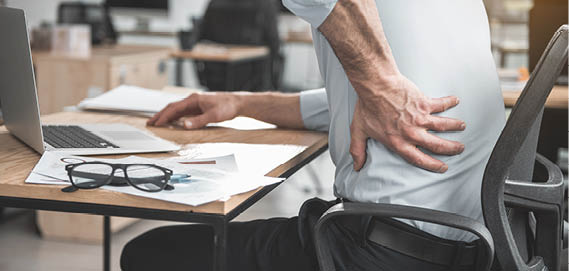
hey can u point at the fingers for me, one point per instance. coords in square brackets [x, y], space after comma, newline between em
[170, 113]
[418, 158]
[434, 143]
[174, 111]
[443, 124]
[199, 121]
[438, 105]
[358, 146]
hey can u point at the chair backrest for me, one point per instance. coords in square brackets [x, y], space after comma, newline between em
[248, 22]
[515, 152]
[245, 22]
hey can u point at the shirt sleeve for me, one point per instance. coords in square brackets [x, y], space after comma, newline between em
[312, 11]
[314, 109]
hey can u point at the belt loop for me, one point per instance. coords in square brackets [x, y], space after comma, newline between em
[457, 255]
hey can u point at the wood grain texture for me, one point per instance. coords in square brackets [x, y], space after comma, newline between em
[17, 160]
[221, 53]
[557, 99]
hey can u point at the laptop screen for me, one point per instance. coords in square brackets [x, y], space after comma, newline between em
[17, 84]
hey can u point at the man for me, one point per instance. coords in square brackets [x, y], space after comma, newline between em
[394, 72]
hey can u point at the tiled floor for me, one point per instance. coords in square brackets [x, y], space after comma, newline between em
[22, 249]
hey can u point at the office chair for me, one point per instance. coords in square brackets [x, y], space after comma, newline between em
[524, 219]
[243, 22]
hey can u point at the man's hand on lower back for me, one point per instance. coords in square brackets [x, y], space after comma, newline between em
[390, 108]
[400, 117]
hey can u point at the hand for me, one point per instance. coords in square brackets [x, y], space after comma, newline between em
[199, 110]
[399, 116]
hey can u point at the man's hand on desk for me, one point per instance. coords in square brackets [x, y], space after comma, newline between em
[390, 108]
[199, 109]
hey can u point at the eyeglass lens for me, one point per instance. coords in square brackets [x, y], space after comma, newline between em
[146, 177]
[90, 175]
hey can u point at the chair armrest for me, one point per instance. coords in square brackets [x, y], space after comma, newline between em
[545, 201]
[398, 211]
[534, 194]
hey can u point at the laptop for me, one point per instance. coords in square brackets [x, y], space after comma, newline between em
[20, 108]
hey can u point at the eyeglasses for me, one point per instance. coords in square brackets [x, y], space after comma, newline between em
[145, 177]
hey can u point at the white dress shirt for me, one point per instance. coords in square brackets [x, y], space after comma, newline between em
[443, 46]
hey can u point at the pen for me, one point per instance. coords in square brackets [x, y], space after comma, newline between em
[180, 178]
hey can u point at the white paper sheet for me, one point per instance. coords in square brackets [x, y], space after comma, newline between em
[131, 99]
[208, 182]
[244, 123]
[254, 159]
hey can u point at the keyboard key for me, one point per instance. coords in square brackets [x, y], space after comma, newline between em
[72, 136]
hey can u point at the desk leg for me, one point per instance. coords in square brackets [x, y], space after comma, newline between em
[179, 70]
[220, 246]
[106, 243]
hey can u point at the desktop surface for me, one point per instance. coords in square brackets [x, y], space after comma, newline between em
[558, 99]
[17, 161]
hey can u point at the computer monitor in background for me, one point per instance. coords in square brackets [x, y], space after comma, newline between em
[545, 18]
[142, 10]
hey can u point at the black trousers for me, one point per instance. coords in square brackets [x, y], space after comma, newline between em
[274, 244]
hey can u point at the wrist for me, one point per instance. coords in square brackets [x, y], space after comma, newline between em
[376, 82]
[240, 101]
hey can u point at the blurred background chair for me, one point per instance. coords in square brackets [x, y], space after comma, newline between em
[523, 211]
[94, 15]
[241, 22]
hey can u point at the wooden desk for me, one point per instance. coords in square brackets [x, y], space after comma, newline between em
[229, 54]
[221, 53]
[165, 34]
[558, 98]
[17, 160]
[298, 37]
[65, 80]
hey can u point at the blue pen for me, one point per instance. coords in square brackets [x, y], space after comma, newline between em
[180, 178]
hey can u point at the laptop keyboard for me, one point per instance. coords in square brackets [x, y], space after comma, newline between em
[72, 136]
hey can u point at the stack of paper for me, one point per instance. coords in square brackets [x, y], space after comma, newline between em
[131, 99]
[211, 179]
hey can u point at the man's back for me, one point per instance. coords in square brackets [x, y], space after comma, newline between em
[442, 46]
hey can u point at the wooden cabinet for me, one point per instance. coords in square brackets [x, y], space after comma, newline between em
[66, 80]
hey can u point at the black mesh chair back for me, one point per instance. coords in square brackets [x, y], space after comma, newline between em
[508, 177]
[243, 22]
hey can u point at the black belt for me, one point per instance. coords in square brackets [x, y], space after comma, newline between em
[413, 242]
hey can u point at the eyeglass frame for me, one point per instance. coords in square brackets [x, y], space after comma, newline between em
[167, 174]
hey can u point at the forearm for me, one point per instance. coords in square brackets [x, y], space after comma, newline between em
[280, 109]
[356, 35]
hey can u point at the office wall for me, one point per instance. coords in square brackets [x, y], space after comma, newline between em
[180, 11]
[301, 69]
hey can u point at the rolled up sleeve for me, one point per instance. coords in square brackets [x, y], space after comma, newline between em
[314, 109]
[312, 11]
